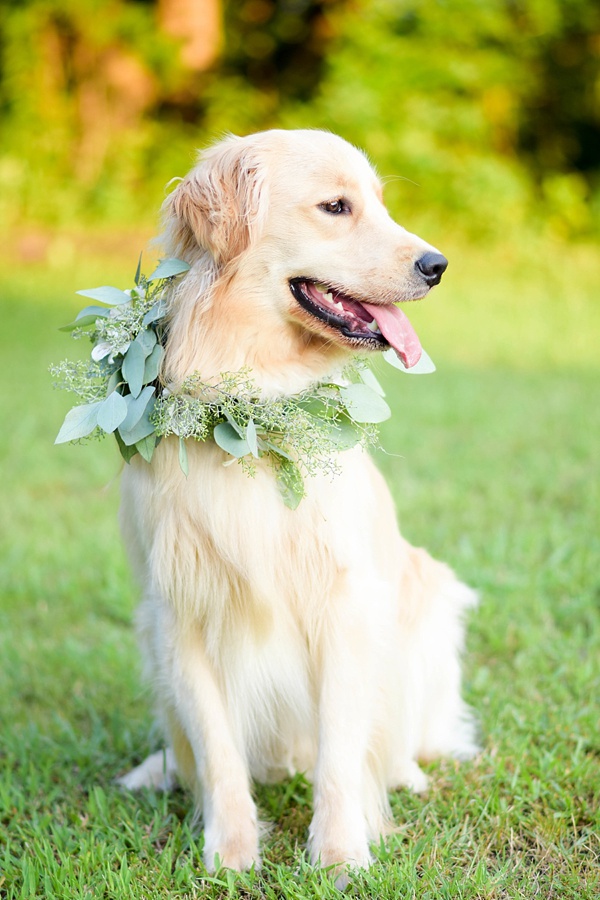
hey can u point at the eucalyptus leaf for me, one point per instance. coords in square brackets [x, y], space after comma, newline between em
[112, 412]
[367, 376]
[147, 446]
[136, 407]
[81, 323]
[138, 271]
[126, 452]
[229, 440]
[364, 404]
[278, 451]
[425, 366]
[316, 406]
[113, 382]
[142, 428]
[290, 483]
[344, 435]
[183, 457]
[79, 422]
[133, 367]
[251, 438]
[94, 311]
[155, 313]
[86, 317]
[168, 268]
[152, 365]
[236, 427]
[147, 340]
[111, 295]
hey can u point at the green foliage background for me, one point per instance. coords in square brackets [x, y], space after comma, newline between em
[488, 110]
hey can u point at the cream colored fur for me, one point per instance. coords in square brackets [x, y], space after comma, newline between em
[317, 639]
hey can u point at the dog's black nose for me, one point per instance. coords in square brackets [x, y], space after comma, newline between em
[432, 266]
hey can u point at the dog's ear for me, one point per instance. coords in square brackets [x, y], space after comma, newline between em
[217, 207]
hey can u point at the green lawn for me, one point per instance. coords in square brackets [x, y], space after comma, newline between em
[493, 462]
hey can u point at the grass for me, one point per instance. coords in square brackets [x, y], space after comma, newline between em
[497, 475]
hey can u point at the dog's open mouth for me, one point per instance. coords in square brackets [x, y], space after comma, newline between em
[370, 325]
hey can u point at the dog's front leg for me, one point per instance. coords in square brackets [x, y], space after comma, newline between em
[229, 813]
[338, 832]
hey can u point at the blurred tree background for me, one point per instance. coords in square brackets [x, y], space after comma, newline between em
[487, 111]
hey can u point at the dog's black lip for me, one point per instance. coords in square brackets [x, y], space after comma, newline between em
[324, 315]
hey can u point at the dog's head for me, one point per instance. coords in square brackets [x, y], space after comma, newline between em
[302, 249]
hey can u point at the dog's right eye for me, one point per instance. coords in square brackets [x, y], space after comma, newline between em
[335, 207]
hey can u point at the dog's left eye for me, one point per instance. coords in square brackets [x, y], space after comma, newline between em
[335, 207]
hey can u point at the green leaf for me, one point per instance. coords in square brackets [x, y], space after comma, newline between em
[315, 406]
[363, 404]
[138, 271]
[147, 340]
[367, 376]
[251, 438]
[113, 382]
[147, 446]
[290, 483]
[229, 440]
[167, 268]
[79, 422]
[425, 366]
[111, 295]
[94, 311]
[142, 428]
[112, 412]
[86, 317]
[134, 363]
[126, 452]
[183, 457]
[344, 436]
[155, 313]
[152, 364]
[83, 323]
[136, 407]
[278, 451]
[236, 427]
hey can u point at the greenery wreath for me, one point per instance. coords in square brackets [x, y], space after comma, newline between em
[121, 393]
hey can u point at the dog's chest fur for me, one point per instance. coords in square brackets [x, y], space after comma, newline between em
[258, 580]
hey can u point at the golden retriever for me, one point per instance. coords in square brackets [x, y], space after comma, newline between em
[277, 640]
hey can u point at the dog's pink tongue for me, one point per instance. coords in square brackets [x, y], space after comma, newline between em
[398, 332]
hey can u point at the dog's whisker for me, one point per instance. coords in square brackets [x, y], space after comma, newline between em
[387, 179]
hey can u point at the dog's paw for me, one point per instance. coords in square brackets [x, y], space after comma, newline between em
[410, 775]
[338, 839]
[158, 771]
[237, 850]
[341, 862]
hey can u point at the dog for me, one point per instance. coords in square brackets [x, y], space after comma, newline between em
[313, 640]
